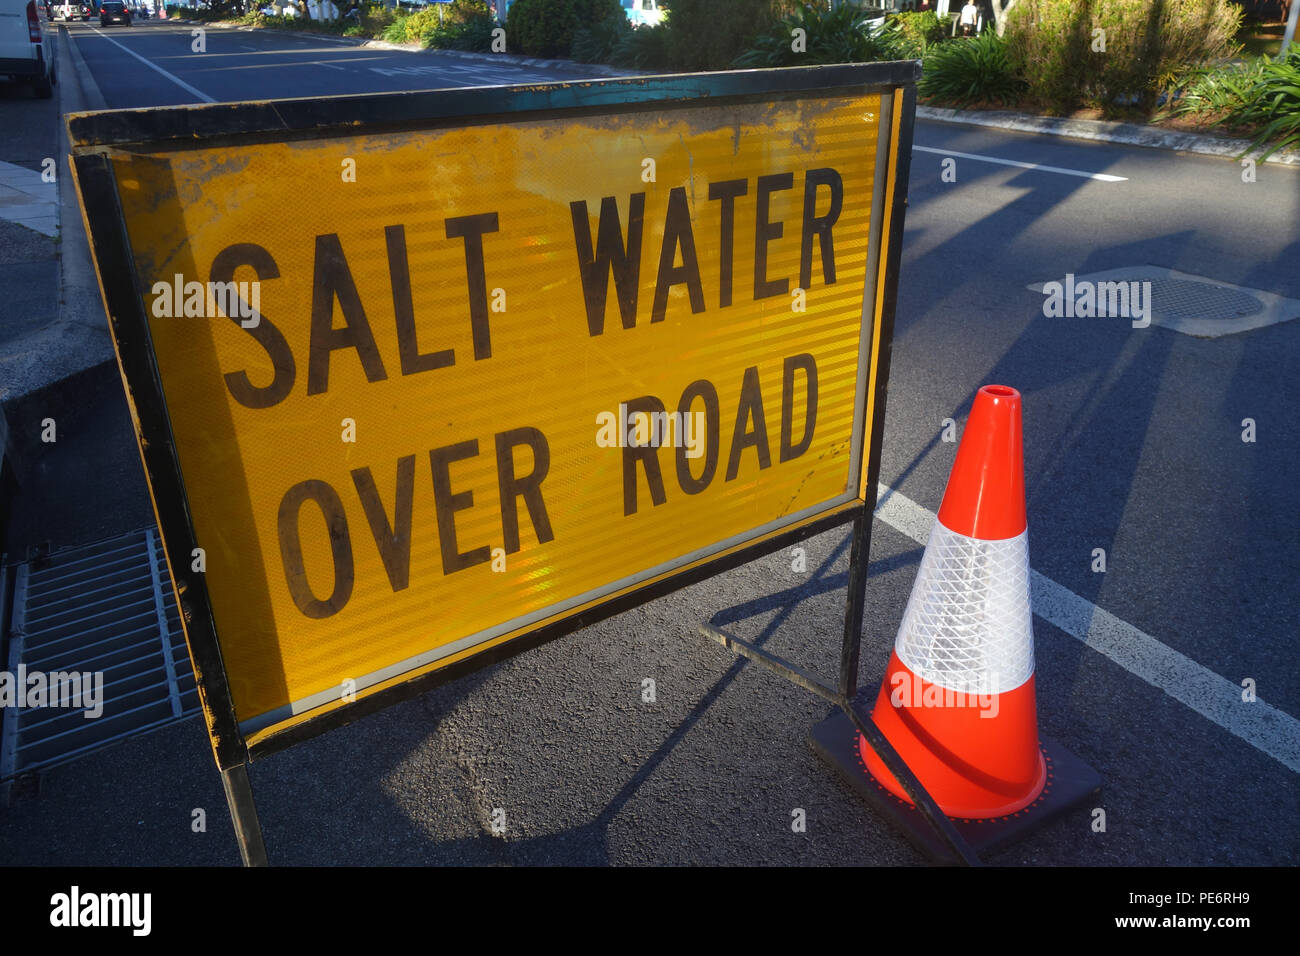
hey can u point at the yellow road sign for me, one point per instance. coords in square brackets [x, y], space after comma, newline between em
[430, 387]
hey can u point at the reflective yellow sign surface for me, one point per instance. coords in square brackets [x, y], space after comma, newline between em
[428, 388]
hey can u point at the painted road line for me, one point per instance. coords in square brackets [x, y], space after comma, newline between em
[153, 66]
[1267, 729]
[1100, 177]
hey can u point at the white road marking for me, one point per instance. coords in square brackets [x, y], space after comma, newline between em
[253, 48]
[1267, 729]
[153, 66]
[1100, 177]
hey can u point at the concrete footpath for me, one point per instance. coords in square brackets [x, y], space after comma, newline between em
[76, 339]
[56, 356]
[27, 199]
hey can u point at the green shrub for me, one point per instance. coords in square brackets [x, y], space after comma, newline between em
[1277, 103]
[830, 36]
[1262, 95]
[203, 14]
[1056, 46]
[1221, 91]
[473, 35]
[546, 27]
[395, 32]
[461, 12]
[912, 32]
[711, 34]
[418, 24]
[466, 25]
[644, 48]
[970, 70]
[376, 18]
[597, 43]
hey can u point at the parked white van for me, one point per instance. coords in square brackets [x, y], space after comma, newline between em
[24, 54]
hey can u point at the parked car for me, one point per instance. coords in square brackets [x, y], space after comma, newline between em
[24, 55]
[114, 11]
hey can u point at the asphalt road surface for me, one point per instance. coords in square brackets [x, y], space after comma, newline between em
[1133, 444]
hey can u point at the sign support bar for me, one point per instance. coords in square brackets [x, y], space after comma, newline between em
[243, 813]
[925, 803]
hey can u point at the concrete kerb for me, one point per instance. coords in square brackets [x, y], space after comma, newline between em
[82, 328]
[1130, 134]
[91, 97]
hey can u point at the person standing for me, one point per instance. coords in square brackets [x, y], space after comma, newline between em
[969, 17]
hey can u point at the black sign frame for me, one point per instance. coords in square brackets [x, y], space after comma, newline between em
[93, 136]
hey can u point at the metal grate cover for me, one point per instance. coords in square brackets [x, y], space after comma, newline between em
[1196, 305]
[1184, 299]
[106, 608]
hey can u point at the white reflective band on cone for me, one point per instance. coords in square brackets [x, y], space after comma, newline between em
[968, 625]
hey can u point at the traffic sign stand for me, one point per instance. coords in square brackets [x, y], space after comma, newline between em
[929, 827]
[155, 186]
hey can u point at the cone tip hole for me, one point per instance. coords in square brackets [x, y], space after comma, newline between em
[1000, 391]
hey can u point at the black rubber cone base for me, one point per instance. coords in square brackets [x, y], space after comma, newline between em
[1070, 782]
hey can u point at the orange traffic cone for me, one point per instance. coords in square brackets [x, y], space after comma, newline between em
[957, 702]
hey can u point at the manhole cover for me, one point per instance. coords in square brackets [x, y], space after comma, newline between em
[1190, 304]
[1185, 299]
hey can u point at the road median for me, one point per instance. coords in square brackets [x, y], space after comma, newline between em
[511, 59]
[1129, 134]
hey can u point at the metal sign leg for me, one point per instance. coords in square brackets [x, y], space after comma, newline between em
[243, 812]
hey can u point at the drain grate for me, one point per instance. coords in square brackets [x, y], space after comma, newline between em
[105, 609]
[1185, 299]
[1196, 305]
